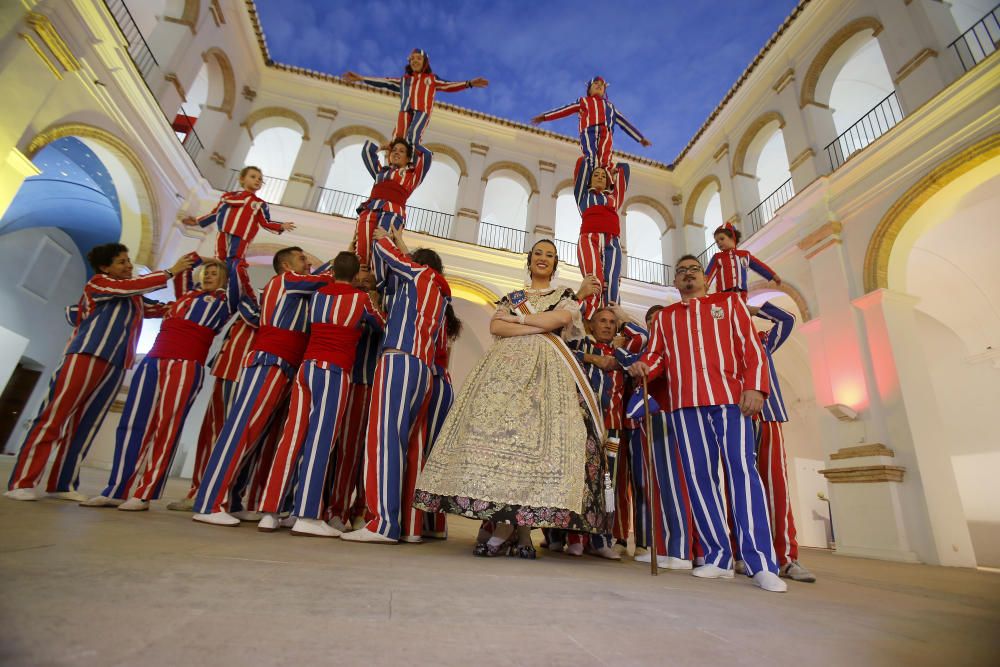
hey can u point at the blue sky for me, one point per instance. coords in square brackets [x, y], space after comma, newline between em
[669, 62]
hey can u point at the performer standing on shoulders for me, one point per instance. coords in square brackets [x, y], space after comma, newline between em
[727, 270]
[106, 322]
[717, 374]
[416, 88]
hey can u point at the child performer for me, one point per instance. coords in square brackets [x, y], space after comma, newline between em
[416, 88]
[394, 183]
[599, 194]
[238, 217]
[727, 270]
[598, 117]
[107, 322]
[165, 385]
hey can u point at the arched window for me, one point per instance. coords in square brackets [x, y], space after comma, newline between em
[439, 191]
[505, 211]
[274, 150]
[711, 215]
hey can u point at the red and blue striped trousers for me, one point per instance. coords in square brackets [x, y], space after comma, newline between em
[347, 474]
[600, 255]
[672, 500]
[773, 471]
[442, 398]
[223, 392]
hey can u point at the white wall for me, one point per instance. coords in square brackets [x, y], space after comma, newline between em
[40, 320]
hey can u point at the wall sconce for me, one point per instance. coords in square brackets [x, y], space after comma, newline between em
[842, 412]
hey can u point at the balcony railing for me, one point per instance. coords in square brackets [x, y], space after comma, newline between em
[184, 126]
[567, 252]
[272, 191]
[138, 49]
[430, 222]
[706, 255]
[502, 238]
[765, 210]
[979, 41]
[336, 202]
[647, 271]
[345, 204]
[872, 125]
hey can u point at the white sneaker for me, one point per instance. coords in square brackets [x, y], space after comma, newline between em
[102, 501]
[411, 539]
[365, 535]
[217, 519]
[769, 581]
[314, 528]
[185, 505]
[134, 505]
[675, 563]
[21, 494]
[605, 552]
[247, 515]
[268, 523]
[339, 525]
[797, 572]
[72, 496]
[739, 567]
[575, 549]
[711, 572]
[639, 551]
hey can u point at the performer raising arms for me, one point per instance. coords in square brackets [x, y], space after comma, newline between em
[107, 322]
[385, 207]
[599, 194]
[416, 88]
[516, 448]
[239, 216]
[598, 117]
[727, 270]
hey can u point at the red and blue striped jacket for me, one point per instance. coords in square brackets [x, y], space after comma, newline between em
[416, 316]
[599, 210]
[393, 185]
[241, 214]
[709, 351]
[728, 270]
[416, 91]
[338, 314]
[108, 318]
[284, 320]
[366, 357]
[596, 110]
[774, 406]
[235, 347]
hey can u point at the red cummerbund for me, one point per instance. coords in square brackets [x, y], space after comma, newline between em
[333, 343]
[182, 339]
[601, 220]
[390, 191]
[289, 345]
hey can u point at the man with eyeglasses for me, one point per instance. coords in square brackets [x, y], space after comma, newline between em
[717, 375]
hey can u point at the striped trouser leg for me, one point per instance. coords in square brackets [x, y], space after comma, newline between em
[402, 123]
[72, 383]
[623, 491]
[734, 432]
[640, 488]
[417, 124]
[605, 145]
[595, 142]
[612, 269]
[260, 390]
[590, 255]
[266, 447]
[773, 472]
[65, 472]
[347, 454]
[135, 428]
[442, 398]
[673, 502]
[399, 395]
[222, 397]
[293, 434]
[180, 381]
[365, 226]
[700, 451]
[329, 400]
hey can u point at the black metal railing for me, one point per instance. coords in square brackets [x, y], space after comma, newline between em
[138, 49]
[337, 202]
[872, 125]
[345, 204]
[191, 142]
[430, 222]
[272, 191]
[706, 255]
[567, 252]
[765, 210]
[502, 238]
[979, 41]
[647, 271]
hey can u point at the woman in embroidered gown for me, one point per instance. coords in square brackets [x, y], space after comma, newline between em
[521, 448]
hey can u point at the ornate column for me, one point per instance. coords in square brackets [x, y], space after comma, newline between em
[801, 147]
[471, 189]
[541, 207]
[312, 153]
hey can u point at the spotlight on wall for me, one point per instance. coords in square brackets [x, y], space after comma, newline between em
[842, 412]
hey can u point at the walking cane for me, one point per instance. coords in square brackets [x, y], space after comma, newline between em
[654, 519]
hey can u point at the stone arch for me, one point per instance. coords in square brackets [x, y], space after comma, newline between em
[517, 169]
[823, 56]
[562, 185]
[276, 112]
[356, 130]
[472, 290]
[656, 205]
[740, 154]
[695, 195]
[149, 228]
[793, 293]
[226, 86]
[453, 154]
[876, 266]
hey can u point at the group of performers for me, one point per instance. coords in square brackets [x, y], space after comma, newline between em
[332, 411]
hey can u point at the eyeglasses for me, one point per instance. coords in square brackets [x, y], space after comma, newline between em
[681, 270]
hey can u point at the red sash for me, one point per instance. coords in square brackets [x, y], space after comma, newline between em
[289, 345]
[182, 339]
[390, 191]
[601, 219]
[333, 343]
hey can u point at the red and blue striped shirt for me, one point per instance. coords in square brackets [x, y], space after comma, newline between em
[338, 314]
[393, 185]
[416, 91]
[284, 320]
[599, 209]
[596, 110]
[241, 214]
[728, 270]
